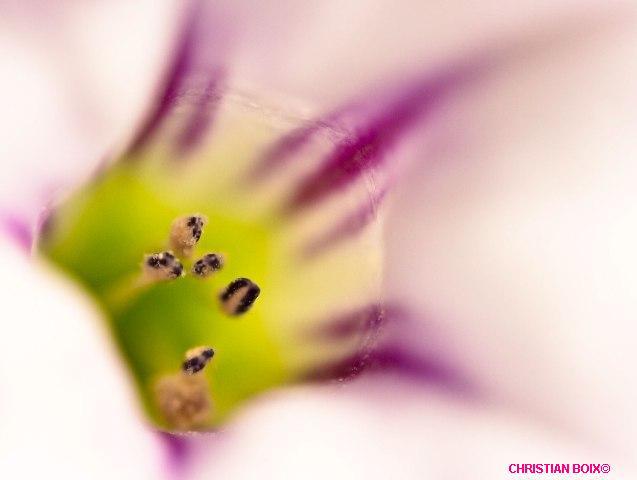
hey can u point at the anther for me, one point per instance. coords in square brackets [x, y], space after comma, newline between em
[239, 296]
[186, 232]
[184, 401]
[207, 265]
[162, 266]
[196, 359]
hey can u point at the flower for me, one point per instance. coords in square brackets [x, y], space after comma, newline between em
[465, 288]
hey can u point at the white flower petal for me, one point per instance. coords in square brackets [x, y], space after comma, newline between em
[75, 82]
[332, 50]
[67, 408]
[517, 234]
[384, 429]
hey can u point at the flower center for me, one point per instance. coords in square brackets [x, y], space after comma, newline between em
[233, 277]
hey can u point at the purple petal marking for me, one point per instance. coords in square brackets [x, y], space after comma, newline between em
[18, 230]
[383, 349]
[178, 451]
[176, 73]
[348, 227]
[392, 359]
[192, 57]
[369, 144]
[182, 450]
[201, 117]
[283, 150]
[366, 320]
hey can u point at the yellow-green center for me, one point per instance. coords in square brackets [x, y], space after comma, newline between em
[102, 232]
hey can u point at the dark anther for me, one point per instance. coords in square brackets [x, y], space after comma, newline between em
[153, 261]
[207, 265]
[197, 359]
[193, 365]
[185, 232]
[177, 270]
[233, 287]
[198, 267]
[213, 261]
[239, 296]
[248, 299]
[164, 265]
[208, 353]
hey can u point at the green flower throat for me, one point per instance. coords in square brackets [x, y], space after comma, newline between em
[114, 231]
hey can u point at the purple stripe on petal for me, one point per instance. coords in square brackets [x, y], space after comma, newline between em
[283, 150]
[183, 451]
[392, 359]
[173, 80]
[370, 143]
[199, 119]
[18, 230]
[366, 320]
[348, 227]
[383, 349]
[177, 449]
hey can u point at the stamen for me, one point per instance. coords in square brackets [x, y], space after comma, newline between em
[162, 266]
[185, 233]
[207, 265]
[184, 401]
[239, 296]
[196, 359]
